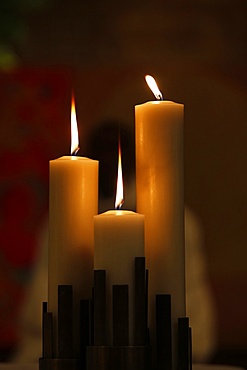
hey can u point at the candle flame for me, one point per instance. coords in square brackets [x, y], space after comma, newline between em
[154, 87]
[119, 193]
[74, 129]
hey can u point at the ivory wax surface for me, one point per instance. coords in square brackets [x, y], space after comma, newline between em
[160, 197]
[73, 204]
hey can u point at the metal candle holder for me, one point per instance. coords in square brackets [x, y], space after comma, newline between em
[95, 353]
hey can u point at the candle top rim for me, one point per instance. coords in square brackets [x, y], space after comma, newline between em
[158, 102]
[73, 158]
[118, 212]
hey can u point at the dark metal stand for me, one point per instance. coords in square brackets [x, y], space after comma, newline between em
[118, 358]
[95, 353]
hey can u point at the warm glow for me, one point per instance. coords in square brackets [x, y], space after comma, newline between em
[74, 129]
[154, 87]
[119, 194]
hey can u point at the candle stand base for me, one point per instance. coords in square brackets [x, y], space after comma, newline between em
[59, 364]
[120, 358]
[95, 353]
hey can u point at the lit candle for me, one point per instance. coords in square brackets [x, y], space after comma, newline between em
[160, 197]
[73, 203]
[119, 238]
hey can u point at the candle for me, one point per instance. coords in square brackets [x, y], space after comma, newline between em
[160, 197]
[119, 238]
[73, 201]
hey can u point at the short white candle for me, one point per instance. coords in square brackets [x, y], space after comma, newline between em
[119, 238]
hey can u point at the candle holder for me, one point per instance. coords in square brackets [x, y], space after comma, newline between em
[95, 351]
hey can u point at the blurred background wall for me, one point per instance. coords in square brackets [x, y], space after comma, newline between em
[197, 51]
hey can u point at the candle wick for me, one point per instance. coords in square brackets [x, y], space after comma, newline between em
[75, 151]
[119, 206]
[159, 96]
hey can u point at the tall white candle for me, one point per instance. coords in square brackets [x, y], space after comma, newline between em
[73, 201]
[160, 197]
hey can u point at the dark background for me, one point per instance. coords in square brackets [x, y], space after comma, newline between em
[197, 51]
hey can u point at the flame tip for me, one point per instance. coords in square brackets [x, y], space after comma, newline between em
[154, 87]
[74, 129]
[119, 193]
